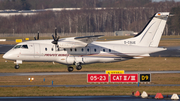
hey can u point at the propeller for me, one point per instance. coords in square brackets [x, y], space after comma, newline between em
[55, 37]
[37, 36]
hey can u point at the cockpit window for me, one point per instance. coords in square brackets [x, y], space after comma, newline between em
[25, 46]
[21, 46]
[18, 46]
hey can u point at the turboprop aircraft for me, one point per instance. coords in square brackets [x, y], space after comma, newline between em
[86, 50]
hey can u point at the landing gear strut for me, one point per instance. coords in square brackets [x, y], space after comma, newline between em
[16, 66]
[70, 69]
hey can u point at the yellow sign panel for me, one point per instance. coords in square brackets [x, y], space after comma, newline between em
[114, 72]
[26, 38]
[18, 40]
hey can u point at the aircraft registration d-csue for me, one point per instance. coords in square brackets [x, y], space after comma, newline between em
[86, 50]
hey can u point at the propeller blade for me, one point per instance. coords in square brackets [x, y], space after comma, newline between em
[53, 37]
[55, 32]
[38, 36]
[57, 38]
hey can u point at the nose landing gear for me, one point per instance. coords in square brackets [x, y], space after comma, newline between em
[16, 66]
[17, 62]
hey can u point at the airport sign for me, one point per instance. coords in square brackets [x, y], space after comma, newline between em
[114, 72]
[97, 78]
[145, 77]
[26, 38]
[18, 40]
[124, 78]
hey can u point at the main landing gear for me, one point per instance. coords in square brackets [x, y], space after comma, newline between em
[70, 69]
[16, 66]
[78, 67]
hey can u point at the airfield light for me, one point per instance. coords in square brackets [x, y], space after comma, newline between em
[30, 79]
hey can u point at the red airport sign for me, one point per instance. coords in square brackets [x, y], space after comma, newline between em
[124, 78]
[97, 78]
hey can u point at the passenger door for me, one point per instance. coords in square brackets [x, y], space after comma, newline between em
[37, 51]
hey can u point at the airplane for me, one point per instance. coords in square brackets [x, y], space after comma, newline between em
[79, 51]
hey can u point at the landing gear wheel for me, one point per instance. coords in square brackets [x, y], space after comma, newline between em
[70, 69]
[16, 66]
[79, 67]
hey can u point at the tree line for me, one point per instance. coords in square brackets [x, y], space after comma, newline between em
[113, 18]
[43, 4]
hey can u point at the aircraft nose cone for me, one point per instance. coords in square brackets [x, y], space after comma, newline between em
[5, 56]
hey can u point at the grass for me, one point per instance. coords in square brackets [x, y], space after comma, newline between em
[76, 79]
[84, 91]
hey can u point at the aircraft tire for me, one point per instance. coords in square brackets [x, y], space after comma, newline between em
[70, 69]
[79, 67]
[16, 66]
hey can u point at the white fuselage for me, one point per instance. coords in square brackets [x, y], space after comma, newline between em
[45, 51]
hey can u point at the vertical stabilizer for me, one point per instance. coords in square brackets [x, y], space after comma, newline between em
[151, 34]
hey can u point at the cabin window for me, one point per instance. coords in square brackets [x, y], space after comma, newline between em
[64, 49]
[52, 49]
[88, 50]
[103, 50]
[25, 46]
[70, 49]
[94, 50]
[109, 50]
[82, 49]
[18, 46]
[75, 49]
[45, 49]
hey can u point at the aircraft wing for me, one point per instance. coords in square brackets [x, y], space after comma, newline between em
[88, 39]
[77, 41]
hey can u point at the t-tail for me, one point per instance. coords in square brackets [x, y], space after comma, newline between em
[152, 32]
